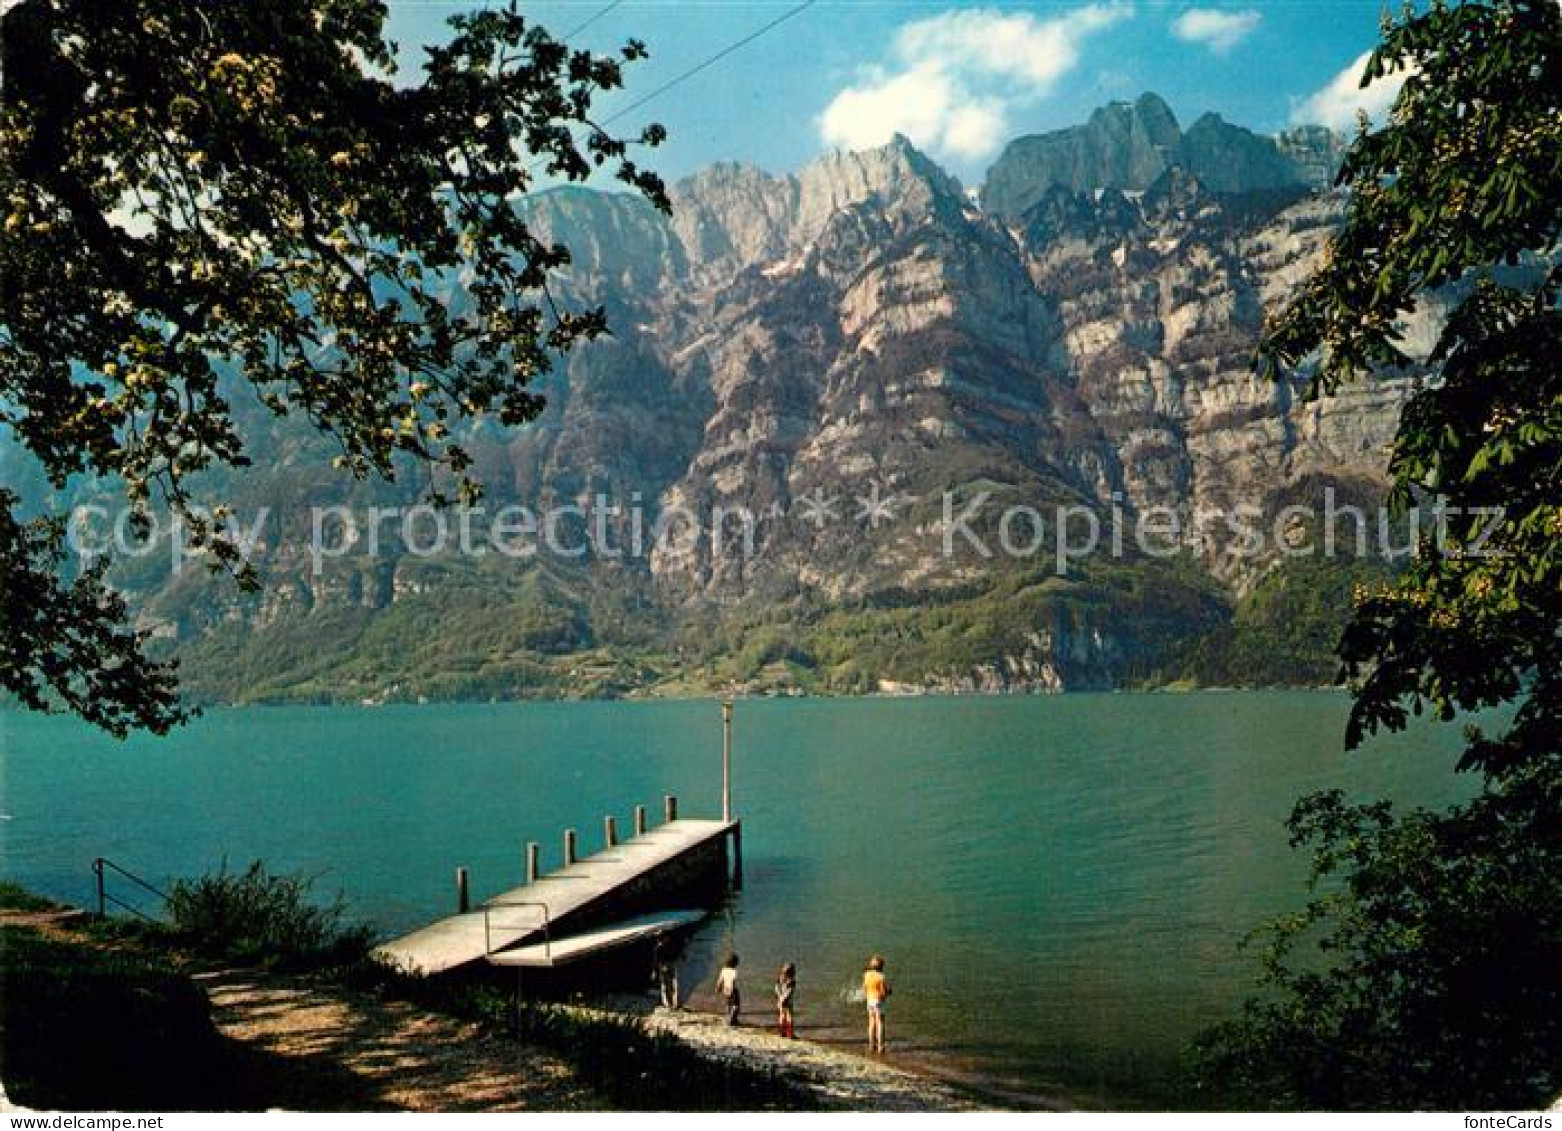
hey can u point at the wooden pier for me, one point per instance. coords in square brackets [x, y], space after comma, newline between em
[629, 891]
[656, 882]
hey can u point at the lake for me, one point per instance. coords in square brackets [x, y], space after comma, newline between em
[1058, 883]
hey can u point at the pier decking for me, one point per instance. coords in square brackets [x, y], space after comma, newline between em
[574, 901]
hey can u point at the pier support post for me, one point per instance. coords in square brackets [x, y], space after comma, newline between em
[726, 760]
[671, 804]
[97, 870]
[737, 856]
[569, 847]
[639, 820]
[533, 861]
[609, 832]
[463, 895]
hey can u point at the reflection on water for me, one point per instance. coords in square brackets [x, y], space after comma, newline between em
[1057, 883]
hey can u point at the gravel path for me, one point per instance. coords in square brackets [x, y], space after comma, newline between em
[357, 1052]
[304, 1046]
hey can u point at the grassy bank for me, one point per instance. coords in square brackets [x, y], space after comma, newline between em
[14, 897]
[103, 1015]
[89, 1028]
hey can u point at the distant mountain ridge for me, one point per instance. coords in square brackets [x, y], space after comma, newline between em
[842, 354]
[1128, 145]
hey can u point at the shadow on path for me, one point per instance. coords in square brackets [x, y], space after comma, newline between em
[313, 1049]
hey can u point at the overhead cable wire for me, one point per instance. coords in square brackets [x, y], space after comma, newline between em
[710, 62]
[578, 28]
[685, 76]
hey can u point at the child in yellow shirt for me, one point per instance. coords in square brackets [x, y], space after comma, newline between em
[875, 989]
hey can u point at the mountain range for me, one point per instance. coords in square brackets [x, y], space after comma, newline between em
[878, 397]
[1129, 145]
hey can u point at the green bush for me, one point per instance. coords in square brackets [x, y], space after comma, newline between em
[264, 918]
[1425, 973]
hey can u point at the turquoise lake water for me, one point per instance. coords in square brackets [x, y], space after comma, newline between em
[1058, 883]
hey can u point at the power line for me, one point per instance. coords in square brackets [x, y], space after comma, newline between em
[716, 58]
[574, 31]
[686, 75]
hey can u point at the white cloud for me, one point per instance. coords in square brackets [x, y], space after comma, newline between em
[975, 130]
[915, 103]
[1336, 104]
[1219, 29]
[951, 79]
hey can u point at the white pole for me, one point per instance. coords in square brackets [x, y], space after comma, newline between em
[726, 760]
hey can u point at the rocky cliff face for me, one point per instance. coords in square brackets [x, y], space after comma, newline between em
[862, 326]
[813, 372]
[1162, 300]
[1314, 151]
[1129, 145]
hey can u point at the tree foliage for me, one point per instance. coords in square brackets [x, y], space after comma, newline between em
[206, 202]
[1459, 194]
[69, 634]
[1424, 971]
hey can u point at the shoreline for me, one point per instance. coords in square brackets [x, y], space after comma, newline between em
[830, 1061]
[713, 696]
[842, 1080]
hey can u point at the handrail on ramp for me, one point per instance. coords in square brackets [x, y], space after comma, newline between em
[547, 926]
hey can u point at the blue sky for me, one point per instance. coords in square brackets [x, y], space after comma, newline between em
[958, 79]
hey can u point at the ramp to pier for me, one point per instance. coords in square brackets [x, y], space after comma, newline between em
[589, 944]
[552, 907]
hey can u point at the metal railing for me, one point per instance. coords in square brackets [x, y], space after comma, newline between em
[105, 897]
[547, 924]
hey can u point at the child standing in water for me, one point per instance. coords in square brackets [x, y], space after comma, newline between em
[786, 990]
[875, 988]
[727, 988]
